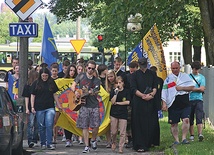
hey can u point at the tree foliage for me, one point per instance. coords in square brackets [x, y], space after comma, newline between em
[6, 18]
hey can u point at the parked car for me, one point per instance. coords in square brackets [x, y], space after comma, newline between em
[11, 125]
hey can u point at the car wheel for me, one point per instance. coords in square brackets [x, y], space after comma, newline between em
[19, 149]
[8, 150]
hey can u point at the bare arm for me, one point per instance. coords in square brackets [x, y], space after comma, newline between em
[32, 99]
[57, 100]
[26, 105]
[182, 88]
[201, 89]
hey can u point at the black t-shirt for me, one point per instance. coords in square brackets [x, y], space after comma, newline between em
[120, 111]
[26, 93]
[44, 97]
[7, 76]
[61, 74]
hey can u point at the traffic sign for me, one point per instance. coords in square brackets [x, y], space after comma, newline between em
[78, 44]
[23, 8]
[23, 29]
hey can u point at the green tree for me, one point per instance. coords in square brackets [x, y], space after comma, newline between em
[169, 15]
[6, 18]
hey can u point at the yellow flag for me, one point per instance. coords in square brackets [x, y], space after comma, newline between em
[153, 46]
[68, 118]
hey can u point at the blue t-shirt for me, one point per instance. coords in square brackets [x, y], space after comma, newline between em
[201, 80]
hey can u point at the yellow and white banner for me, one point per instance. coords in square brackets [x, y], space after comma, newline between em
[153, 46]
[67, 119]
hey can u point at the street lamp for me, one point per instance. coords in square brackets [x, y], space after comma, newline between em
[133, 25]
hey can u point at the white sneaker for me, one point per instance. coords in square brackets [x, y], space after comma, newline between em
[36, 145]
[94, 145]
[86, 150]
[51, 147]
[63, 138]
[43, 147]
[80, 142]
[68, 144]
[191, 138]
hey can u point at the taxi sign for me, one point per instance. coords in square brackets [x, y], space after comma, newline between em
[23, 29]
[78, 45]
[23, 8]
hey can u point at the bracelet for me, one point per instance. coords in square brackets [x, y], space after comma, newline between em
[32, 108]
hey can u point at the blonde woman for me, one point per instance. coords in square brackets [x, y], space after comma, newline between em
[110, 84]
[110, 80]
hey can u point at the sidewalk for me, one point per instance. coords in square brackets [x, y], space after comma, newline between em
[77, 149]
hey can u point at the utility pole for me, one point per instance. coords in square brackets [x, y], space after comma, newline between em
[78, 24]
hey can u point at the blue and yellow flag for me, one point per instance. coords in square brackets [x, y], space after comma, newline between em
[154, 51]
[136, 54]
[49, 50]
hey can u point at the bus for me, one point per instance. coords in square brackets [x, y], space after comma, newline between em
[66, 51]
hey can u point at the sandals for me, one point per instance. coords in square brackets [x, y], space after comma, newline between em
[113, 146]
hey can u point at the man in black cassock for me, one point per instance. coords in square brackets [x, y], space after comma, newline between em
[144, 111]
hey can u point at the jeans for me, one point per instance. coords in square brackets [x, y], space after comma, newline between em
[45, 119]
[32, 128]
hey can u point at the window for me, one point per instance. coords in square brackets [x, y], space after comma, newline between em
[174, 56]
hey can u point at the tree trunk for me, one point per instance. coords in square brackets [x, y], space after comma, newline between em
[207, 16]
[187, 50]
[197, 53]
[206, 50]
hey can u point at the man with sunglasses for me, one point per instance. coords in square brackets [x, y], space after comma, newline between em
[89, 114]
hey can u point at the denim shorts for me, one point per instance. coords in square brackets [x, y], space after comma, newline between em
[88, 117]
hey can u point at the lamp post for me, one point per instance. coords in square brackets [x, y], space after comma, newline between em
[133, 25]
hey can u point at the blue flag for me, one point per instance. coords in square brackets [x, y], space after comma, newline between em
[49, 50]
[136, 54]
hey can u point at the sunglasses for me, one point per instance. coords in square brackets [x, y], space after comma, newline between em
[90, 68]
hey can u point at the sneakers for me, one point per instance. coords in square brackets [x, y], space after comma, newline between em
[31, 144]
[36, 145]
[50, 147]
[200, 137]
[43, 147]
[68, 143]
[63, 138]
[191, 138]
[185, 141]
[86, 150]
[94, 145]
[80, 142]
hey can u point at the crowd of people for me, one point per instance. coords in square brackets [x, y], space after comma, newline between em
[135, 100]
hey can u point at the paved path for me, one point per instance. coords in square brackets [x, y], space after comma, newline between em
[77, 149]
